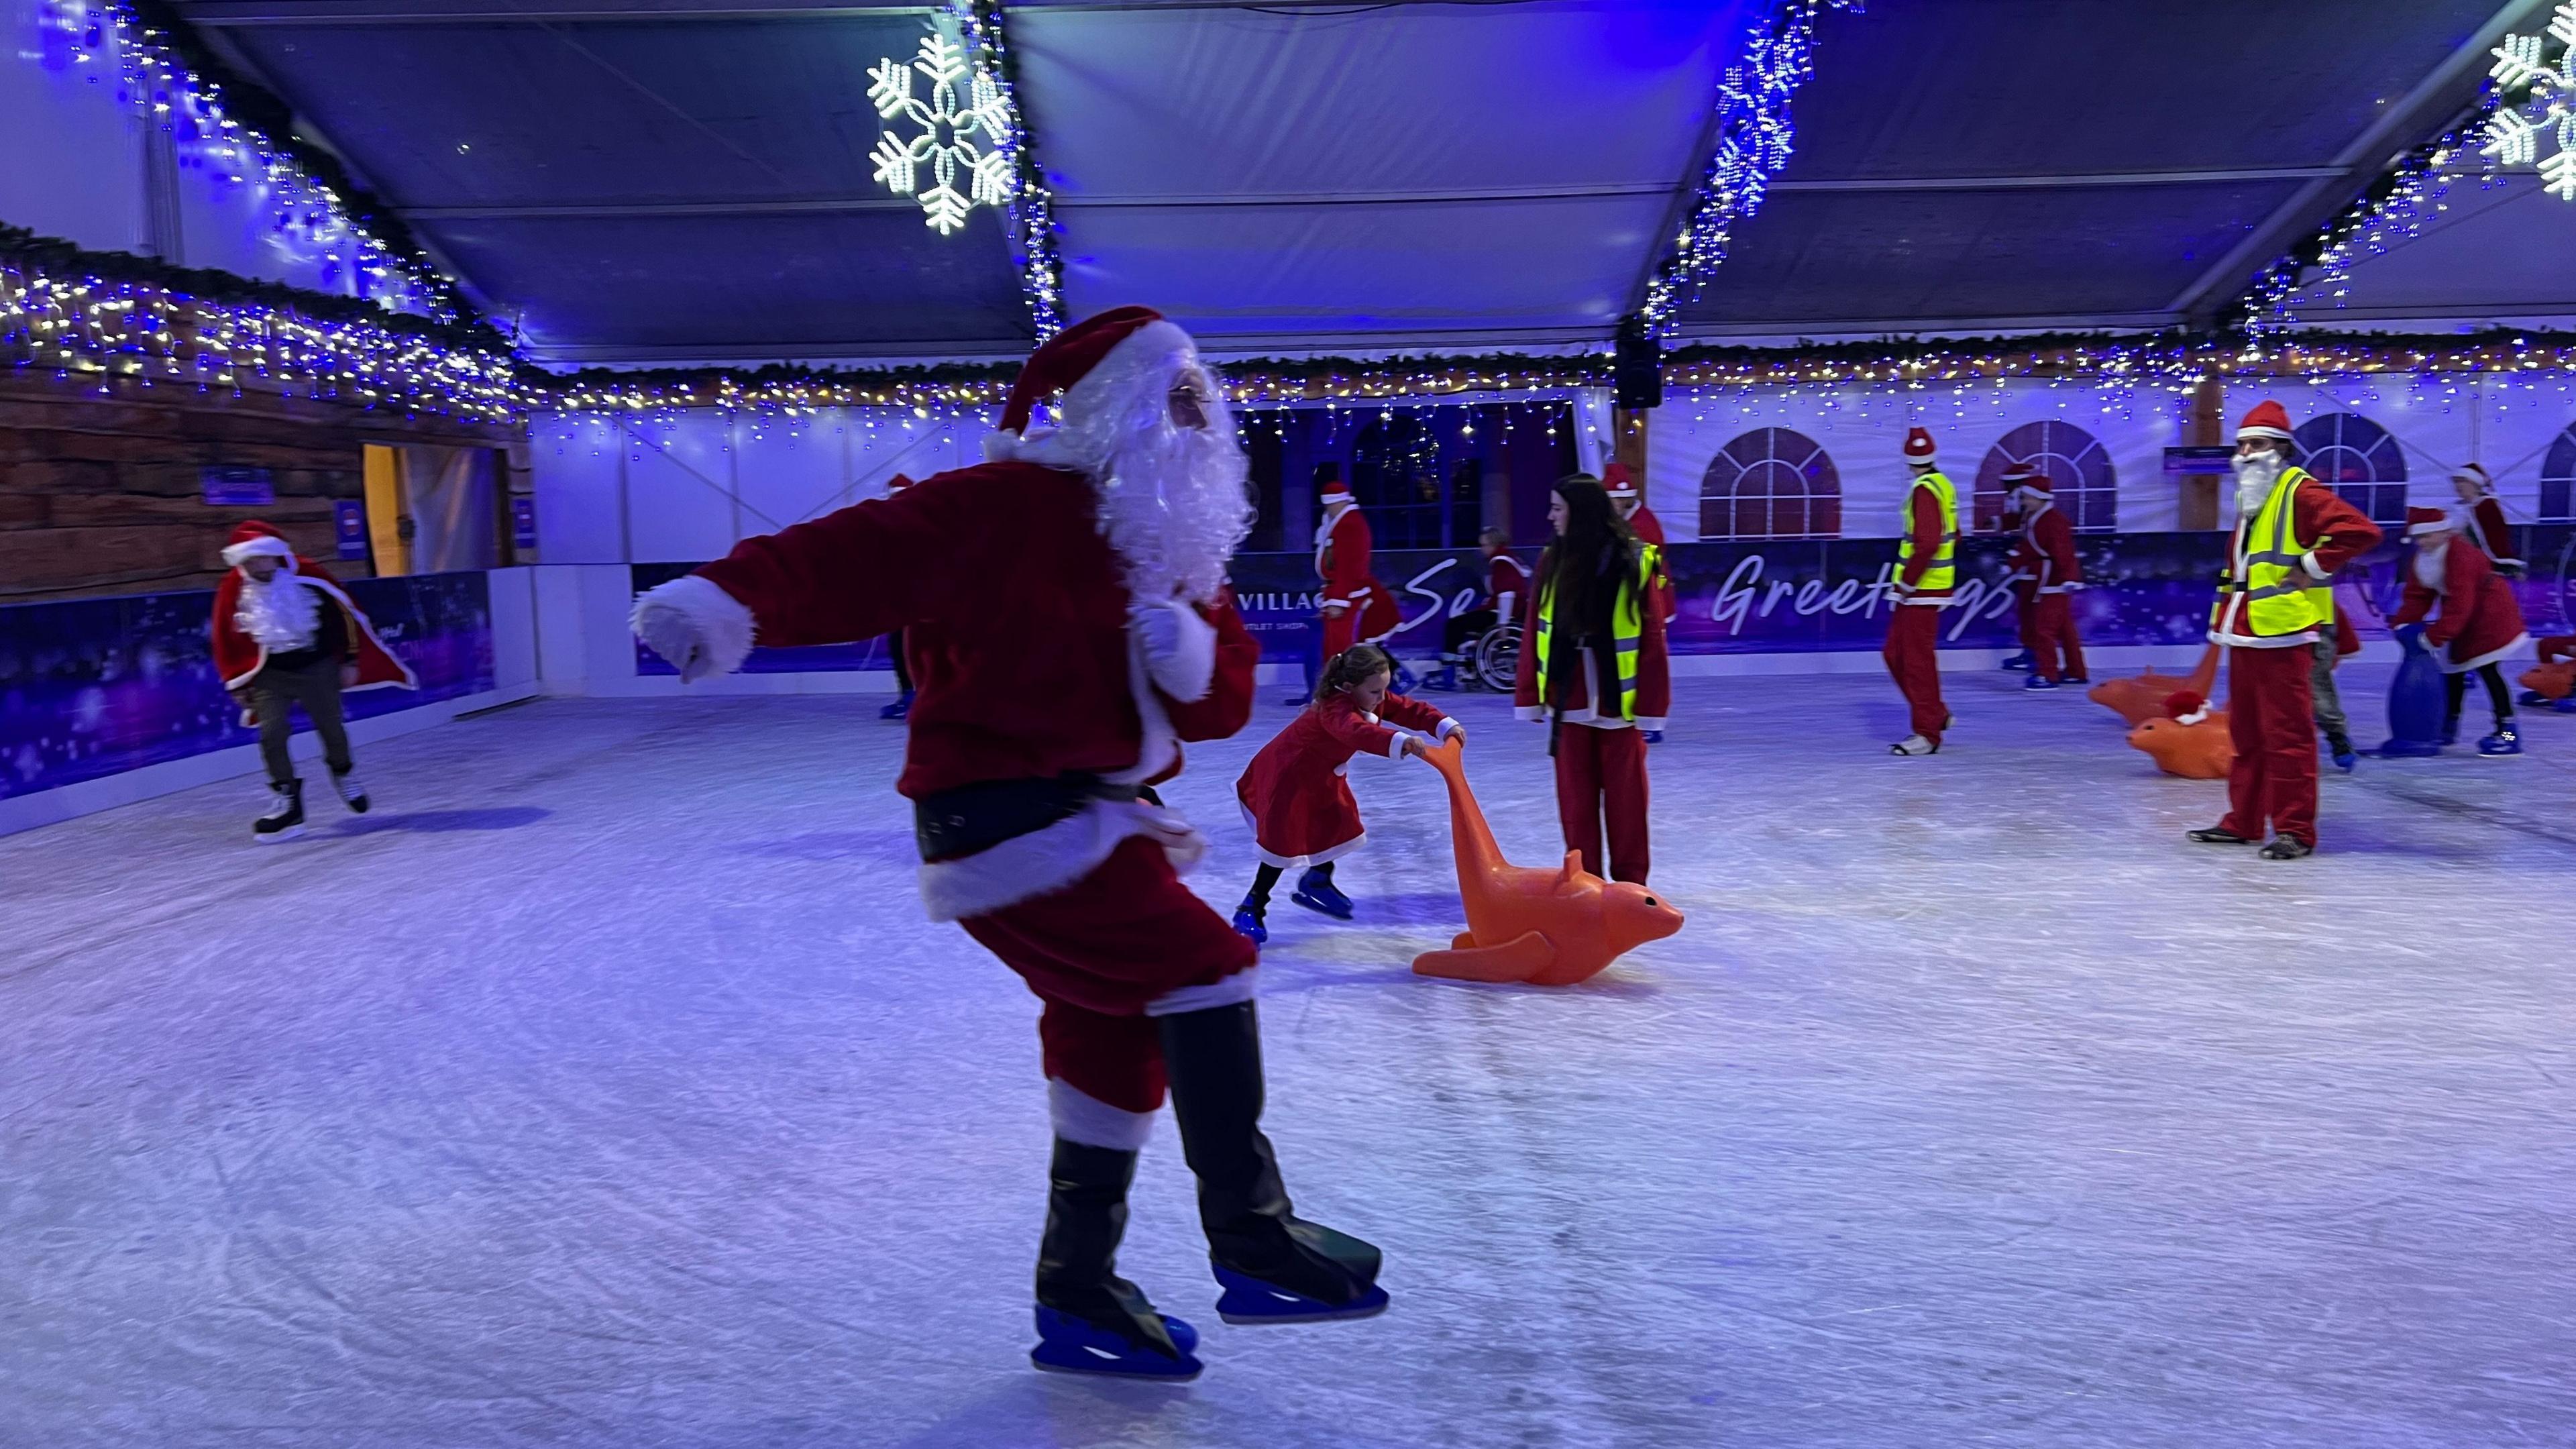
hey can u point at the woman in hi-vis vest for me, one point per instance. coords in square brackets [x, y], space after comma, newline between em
[1592, 666]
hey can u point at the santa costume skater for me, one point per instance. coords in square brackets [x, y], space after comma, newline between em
[1630, 501]
[1592, 666]
[1069, 628]
[2293, 533]
[1926, 579]
[2045, 556]
[2482, 520]
[2477, 627]
[1296, 793]
[1357, 608]
[286, 634]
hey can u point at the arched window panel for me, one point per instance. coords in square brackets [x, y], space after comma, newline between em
[2359, 460]
[2079, 473]
[2558, 480]
[1771, 483]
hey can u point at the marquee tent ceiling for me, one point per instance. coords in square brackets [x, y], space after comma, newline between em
[688, 180]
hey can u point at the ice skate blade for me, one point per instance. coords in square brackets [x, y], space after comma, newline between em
[1320, 908]
[1068, 1345]
[272, 837]
[1249, 1300]
[1131, 1375]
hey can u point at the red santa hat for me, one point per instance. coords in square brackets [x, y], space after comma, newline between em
[898, 483]
[2473, 474]
[2186, 706]
[1616, 482]
[1333, 490]
[2421, 521]
[254, 539]
[1918, 447]
[1086, 362]
[2268, 420]
[2029, 478]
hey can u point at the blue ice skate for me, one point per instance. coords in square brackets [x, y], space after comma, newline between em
[2346, 760]
[2505, 741]
[1316, 892]
[900, 709]
[1249, 1300]
[2038, 682]
[1249, 923]
[2021, 661]
[1068, 1345]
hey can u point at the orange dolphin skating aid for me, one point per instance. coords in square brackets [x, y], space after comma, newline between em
[2143, 698]
[1544, 927]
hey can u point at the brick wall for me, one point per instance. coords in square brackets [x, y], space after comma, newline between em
[100, 492]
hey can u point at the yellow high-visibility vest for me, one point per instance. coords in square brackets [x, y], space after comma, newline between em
[2281, 596]
[1944, 572]
[1627, 628]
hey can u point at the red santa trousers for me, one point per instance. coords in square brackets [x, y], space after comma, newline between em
[1603, 773]
[2271, 721]
[2026, 614]
[1099, 953]
[1914, 663]
[2055, 652]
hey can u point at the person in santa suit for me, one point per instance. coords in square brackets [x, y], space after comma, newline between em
[902, 706]
[2293, 533]
[1926, 579]
[1357, 608]
[1296, 793]
[1641, 520]
[2046, 553]
[1592, 667]
[2477, 626]
[2022, 575]
[286, 634]
[1070, 627]
[2482, 519]
[1506, 584]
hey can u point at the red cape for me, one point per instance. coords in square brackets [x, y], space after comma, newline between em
[239, 657]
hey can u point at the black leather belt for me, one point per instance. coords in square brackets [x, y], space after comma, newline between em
[974, 818]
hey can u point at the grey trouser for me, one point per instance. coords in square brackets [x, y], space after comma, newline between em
[317, 688]
[2329, 705]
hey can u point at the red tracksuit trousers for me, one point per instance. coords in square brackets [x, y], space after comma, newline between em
[2026, 615]
[2271, 721]
[2055, 652]
[1914, 662]
[1603, 773]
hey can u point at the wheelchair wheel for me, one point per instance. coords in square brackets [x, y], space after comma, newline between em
[1494, 660]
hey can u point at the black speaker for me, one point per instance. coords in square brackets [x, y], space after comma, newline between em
[1637, 368]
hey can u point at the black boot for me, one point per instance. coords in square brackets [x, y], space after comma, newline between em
[1090, 1320]
[284, 818]
[1275, 1266]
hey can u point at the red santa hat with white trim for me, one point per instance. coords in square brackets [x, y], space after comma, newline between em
[2421, 521]
[2476, 476]
[1918, 447]
[2268, 419]
[2028, 483]
[2185, 706]
[1619, 484]
[1331, 491]
[1089, 363]
[253, 539]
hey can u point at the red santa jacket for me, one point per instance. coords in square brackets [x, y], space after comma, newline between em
[2479, 622]
[1574, 688]
[1923, 525]
[1343, 562]
[2342, 534]
[1297, 793]
[2045, 553]
[239, 658]
[1506, 585]
[1650, 529]
[2486, 527]
[1019, 635]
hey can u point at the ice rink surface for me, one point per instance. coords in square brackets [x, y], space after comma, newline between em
[606, 1087]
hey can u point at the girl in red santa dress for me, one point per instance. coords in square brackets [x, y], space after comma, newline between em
[2479, 623]
[1297, 792]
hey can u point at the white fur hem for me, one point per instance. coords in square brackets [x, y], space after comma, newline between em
[1081, 1117]
[1187, 672]
[2491, 657]
[1650, 722]
[1045, 861]
[1529, 713]
[1926, 601]
[1240, 987]
[1325, 856]
[262, 546]
[2235, 640]
[717, 620]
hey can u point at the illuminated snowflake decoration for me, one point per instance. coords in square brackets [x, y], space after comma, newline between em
[948, 141]
[2536, 103]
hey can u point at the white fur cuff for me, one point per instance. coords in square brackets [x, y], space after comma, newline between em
[1182, 658]
[1081, 1117]
[697, 626]
[1449, 727]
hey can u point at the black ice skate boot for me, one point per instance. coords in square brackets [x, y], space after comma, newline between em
[352, 794]
[284, 819]
[1274, 1266]
[1090, 1320]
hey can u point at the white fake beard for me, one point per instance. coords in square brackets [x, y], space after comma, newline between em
[1174, 504]
[281, 614]
[2254, 479]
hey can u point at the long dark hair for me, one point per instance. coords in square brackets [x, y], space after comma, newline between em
[1596, 540]
[1353, 666]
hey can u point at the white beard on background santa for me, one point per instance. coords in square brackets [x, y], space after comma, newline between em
[1070, 625]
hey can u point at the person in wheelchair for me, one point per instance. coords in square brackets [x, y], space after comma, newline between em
[1506, 582]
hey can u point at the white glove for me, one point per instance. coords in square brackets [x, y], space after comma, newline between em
[699, 628]
[1179, 648]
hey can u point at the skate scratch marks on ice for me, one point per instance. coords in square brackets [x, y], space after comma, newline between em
[1544, 927]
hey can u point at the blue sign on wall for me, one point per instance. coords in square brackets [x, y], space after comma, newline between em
[349, 527]
[237, 487]
[523, 520]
